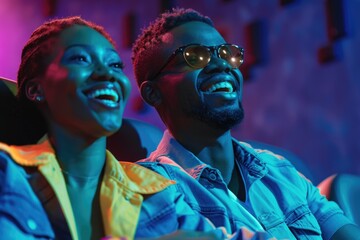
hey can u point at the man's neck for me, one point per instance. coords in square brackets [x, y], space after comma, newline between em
[213, 148]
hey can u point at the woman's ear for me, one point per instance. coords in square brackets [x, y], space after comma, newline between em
[34, 91]
[150, 93]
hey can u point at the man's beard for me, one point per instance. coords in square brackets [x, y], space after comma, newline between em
[225, 119]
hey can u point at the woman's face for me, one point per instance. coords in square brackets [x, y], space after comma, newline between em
[84, 87]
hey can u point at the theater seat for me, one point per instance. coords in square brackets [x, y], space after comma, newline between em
[11, 124]
[344, 189]
[143, 138]
[135, 139]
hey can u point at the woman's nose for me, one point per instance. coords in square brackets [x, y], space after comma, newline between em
[103, 73]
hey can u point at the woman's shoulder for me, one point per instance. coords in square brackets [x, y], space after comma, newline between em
[23, 215]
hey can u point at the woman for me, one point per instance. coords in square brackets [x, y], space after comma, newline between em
[68, 186]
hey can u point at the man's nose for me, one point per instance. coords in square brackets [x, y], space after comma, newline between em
[217, 64]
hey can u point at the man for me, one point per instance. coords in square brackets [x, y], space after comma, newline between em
[189, 73]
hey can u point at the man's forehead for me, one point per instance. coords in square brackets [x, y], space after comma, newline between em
[185, 34]
[192, 32]
[167, 38]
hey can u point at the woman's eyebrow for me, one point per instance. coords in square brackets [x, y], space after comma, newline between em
[78, 45]
[87, 46]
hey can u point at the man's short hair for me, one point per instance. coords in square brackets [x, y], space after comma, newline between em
[143, 49]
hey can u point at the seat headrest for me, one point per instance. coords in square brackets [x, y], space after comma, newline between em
[11, 84]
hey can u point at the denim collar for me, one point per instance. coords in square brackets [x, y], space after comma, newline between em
[245, 156]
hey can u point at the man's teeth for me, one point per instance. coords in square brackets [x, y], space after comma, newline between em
[220, 87]
[107, 96]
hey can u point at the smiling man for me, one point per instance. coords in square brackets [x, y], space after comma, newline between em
[189, 73]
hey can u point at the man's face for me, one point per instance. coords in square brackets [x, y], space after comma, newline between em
[211, 94]
[84, 88]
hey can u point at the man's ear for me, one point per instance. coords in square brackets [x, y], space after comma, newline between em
[34, 91]
[150, 93]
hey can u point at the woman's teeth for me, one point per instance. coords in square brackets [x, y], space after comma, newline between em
[107, 96]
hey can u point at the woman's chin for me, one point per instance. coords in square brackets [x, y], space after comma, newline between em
[110, 129]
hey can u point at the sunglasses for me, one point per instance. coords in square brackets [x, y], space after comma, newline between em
[198, 56]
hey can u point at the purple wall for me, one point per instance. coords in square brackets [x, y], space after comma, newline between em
[291, 99]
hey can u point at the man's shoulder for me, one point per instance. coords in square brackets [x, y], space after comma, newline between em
[269, 156]
[279, 157]
[158, 161]
[163, 165]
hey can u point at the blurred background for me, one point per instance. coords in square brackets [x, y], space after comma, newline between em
[302, 73]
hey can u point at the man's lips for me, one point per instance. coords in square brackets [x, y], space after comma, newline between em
[223, 86]
[219, 84]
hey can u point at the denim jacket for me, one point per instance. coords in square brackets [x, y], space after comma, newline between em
[279, 200]
[134, 201]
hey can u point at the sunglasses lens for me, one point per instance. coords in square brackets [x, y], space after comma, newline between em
[197, 56]
[232, 54]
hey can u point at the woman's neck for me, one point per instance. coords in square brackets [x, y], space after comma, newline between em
[78, 155]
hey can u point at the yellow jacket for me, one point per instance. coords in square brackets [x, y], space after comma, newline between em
[121, 195]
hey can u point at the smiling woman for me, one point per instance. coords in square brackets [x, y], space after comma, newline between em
[68, 186]
[86, 67]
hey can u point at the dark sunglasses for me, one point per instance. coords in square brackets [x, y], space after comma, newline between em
[198, 56]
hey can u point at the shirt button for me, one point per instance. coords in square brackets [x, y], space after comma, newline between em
[212, 176]
[31, 224]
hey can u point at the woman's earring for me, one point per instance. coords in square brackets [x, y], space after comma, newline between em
[39, 98]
